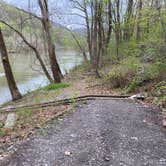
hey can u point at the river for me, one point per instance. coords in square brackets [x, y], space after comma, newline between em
[28, 75]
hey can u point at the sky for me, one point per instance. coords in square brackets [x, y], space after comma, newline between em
[60, 8]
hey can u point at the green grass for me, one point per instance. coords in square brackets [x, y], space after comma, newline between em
[1, 129]
[56, 86]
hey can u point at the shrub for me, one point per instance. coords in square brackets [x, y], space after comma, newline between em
[156, 71]
[134, 84]
[152, 51]
[121, 75]
[117, 79]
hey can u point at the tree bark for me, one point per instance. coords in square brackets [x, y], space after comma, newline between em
[89, 28]
[95, 37]
[56, 72]
[109, 32]
[8, 71]
[138, 28]
[127, 21]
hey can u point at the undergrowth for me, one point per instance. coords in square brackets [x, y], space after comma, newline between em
[142, 68]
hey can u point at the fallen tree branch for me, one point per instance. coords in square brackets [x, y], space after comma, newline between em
[59, 102]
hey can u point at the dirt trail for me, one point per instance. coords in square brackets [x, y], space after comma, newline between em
[112, 132]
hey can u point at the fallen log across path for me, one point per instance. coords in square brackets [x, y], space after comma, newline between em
[59, 102]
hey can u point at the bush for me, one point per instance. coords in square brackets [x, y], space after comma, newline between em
[117, 79]
[156, 71]
[152, 51]
[122, 74]
[131, 74]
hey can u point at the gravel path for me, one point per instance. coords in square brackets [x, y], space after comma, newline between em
[100, 133]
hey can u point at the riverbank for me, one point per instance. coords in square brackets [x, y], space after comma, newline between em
[82, 81]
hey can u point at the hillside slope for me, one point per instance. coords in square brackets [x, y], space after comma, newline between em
[30, 26]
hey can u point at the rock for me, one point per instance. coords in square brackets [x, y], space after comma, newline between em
[107, 158]
[134, 138]
[14, 135]
[164, 118]
[10, 121]
[137, 96]
[67, 153]
[164, 123]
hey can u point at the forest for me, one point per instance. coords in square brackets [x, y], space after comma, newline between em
[63, 52]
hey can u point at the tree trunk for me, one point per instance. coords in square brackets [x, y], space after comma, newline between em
[138, 28]
[127, 21]
[56, 72]
[109, 32]
[163, 25]
[89, 28]
[96, 49]
[78, 44]
[8, 71]
[117, 28]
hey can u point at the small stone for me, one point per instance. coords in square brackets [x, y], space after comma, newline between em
[107, 159]
[164, 123]
[14, 135]
[38, 127]
[73, 135]
[134, 138]
[60, 119]
[10, 121]
[137, 96]
[67, 153]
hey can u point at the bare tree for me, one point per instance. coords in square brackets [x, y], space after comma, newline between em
[57, 75]
[82, 50]
[98, 19]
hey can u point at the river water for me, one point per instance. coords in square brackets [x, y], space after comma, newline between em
[28, 75]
